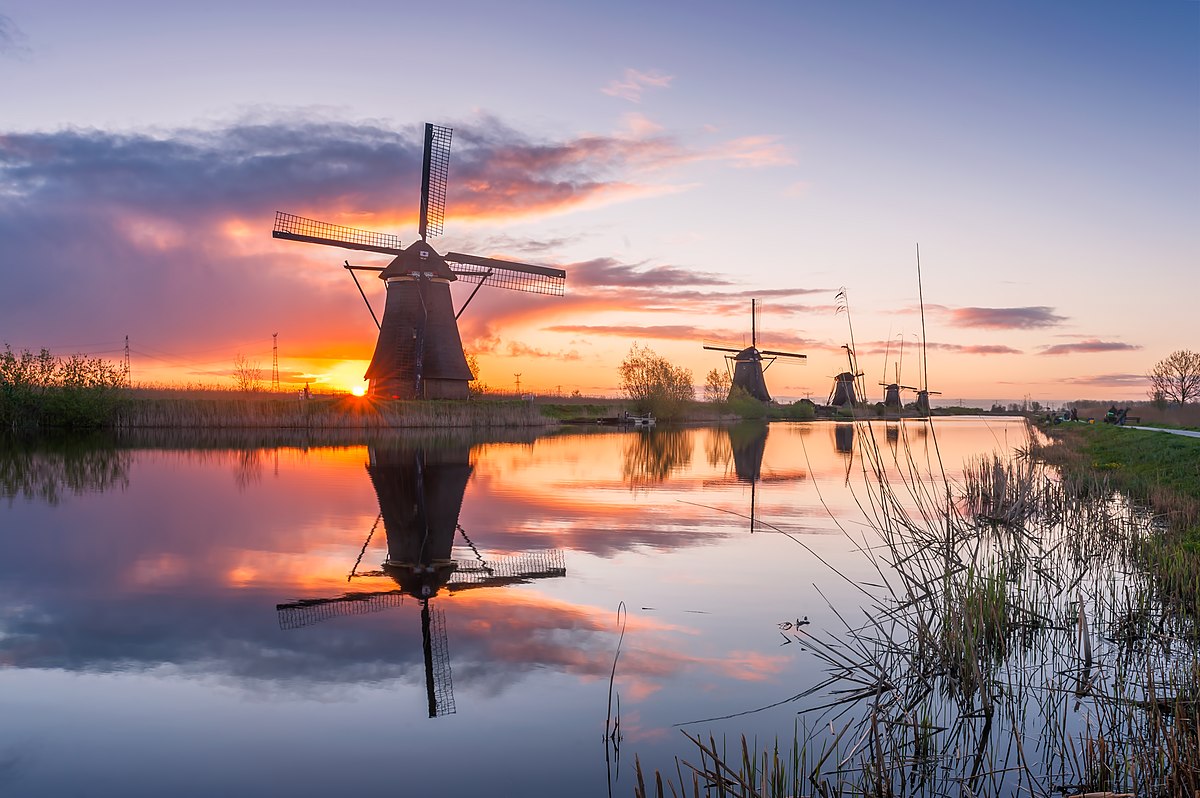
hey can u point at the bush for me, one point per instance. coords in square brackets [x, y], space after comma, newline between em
[802, 410]
[44, 390]
[744, 405]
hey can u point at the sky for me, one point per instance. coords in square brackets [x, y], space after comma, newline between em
[676, 159]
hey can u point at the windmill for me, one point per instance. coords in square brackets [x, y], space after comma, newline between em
[419, 353]
[847, 390]
[747, 364]
[844, 391]
[420, 491]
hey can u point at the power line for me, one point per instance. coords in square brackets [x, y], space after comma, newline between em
[275, 362]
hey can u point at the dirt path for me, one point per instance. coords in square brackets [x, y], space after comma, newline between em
[1188, 432]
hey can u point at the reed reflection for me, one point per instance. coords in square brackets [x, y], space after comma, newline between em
[53, 468]
[420, 488]
[652, 455]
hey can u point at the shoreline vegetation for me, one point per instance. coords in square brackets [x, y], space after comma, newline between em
[84, 407]
[1049, 604]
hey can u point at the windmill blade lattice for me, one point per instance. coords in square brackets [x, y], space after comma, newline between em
[298, 228]
[434, 171]
[507, 274]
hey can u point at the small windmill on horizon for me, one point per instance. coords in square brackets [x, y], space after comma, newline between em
[748, 363]
[419, 352]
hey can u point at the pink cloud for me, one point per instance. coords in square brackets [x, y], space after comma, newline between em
[633, 83]
[1088, 347]
[1026, 318]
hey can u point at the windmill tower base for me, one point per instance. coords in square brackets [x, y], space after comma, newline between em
[419, 318]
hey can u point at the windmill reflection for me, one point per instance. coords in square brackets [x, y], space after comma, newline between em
[745, 443]
[420, 488]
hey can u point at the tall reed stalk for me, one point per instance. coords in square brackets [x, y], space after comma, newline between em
[1016, 644]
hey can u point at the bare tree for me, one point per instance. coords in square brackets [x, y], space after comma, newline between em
[1176, 378]
[654, 384]
[247, 374]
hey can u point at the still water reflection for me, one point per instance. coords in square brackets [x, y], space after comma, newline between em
[267, 615]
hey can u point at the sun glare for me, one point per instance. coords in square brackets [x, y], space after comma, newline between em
[359, 390]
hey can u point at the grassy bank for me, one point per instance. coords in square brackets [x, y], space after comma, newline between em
[1156, 470]
[1031, 632]
[345, 412]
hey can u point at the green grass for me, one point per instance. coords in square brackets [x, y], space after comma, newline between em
[1140, 463]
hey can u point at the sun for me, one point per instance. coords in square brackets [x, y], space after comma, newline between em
[359, 390]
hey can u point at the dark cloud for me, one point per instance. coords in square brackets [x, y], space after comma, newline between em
[1088, 347]
[685, 332]
[611, 272]
[12, 40]
[166, 237]
[1029, 318]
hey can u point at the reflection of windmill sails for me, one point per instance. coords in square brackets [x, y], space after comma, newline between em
[749, 443]
[420, 491]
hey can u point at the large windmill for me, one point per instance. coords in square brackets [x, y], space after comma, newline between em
[748, 363]
[420, 490]
[419, 354]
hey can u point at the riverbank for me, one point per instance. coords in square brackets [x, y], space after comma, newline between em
[343, 412]
[1158, 471]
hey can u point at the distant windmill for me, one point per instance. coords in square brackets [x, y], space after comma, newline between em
[419, 353]
[847, 389]
[844, 391]
[748, 365]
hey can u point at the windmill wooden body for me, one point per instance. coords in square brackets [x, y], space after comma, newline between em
[750, 362]
[419, 352]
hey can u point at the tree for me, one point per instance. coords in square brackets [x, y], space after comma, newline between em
[716, 386]
[247, 375]
[475, 387]
[654, 385]
[1176, 378]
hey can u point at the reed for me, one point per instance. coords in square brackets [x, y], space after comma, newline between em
[1021, 640]
[324, 413]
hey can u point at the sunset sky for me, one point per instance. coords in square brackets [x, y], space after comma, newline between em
[676, 159]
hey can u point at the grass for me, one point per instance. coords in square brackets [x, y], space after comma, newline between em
[1032, 629]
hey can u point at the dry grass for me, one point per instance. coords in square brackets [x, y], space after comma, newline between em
[236, 410]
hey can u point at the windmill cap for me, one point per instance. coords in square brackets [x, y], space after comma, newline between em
[749, 353]
[418, 258]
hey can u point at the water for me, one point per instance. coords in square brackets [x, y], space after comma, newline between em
[213, 615]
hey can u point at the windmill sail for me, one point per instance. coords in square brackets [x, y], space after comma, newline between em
[435, 167]
[297, 228]
[507, 274]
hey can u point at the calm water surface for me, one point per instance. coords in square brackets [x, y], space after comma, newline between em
[431, 614]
